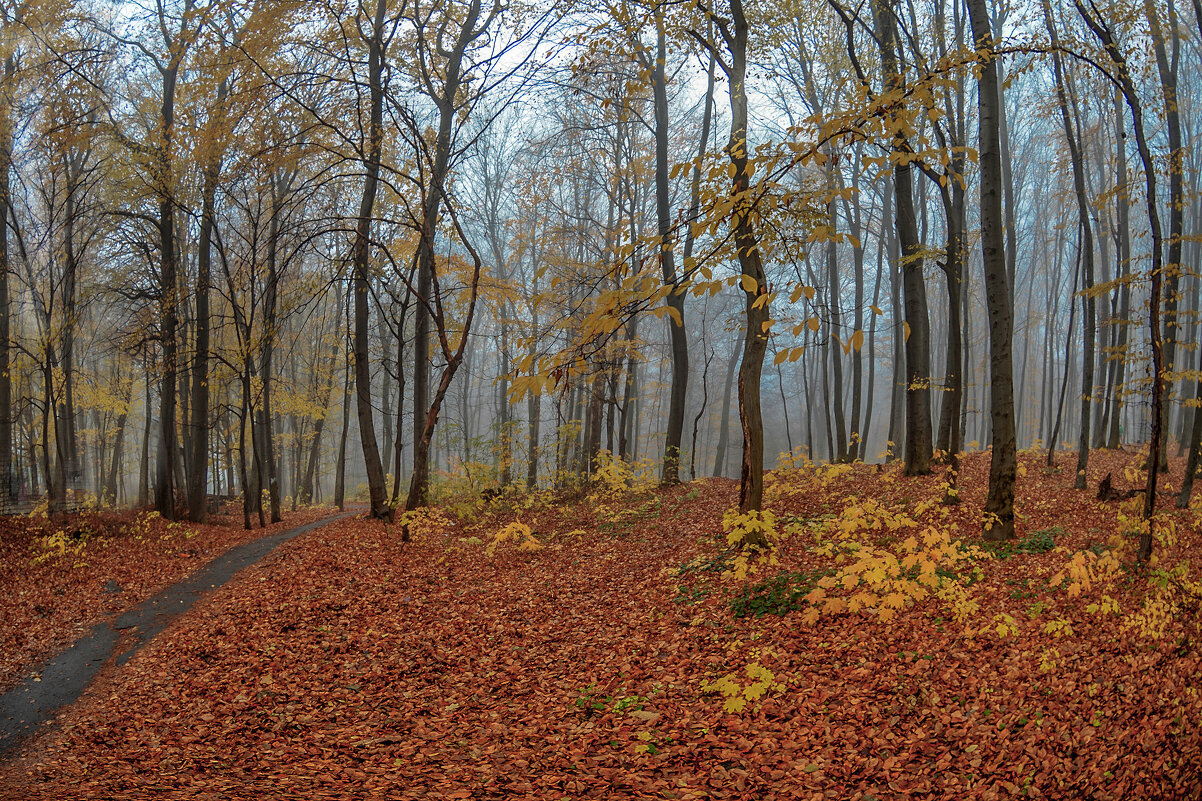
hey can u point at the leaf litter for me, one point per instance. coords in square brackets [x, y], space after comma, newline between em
[599, 662]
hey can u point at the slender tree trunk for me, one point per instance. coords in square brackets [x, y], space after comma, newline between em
[533, 413]
[110, 482]
[1085, 246]
[836, 325]
[1195, 443]
[362, 274]
[999, 506]
[754, 280]
[168, 302]
[1131, 95]
[6, 405]
[1172, 325]
[399, 444]
[855, 446]
[670, 472]
[953, 269]
[198, 457]
[724, 419]
[425, 412]
[705, 396]
[340, 476]
[144, 461]
[918, 341]
[244, 420]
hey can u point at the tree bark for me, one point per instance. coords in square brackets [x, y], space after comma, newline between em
[6, 404]
[678, 395]
[1127, 86]
[999, 505]
[168, 302]
[1085, 247]
[918, 339]
[198, 458]
[362, 268]
[1167, 70]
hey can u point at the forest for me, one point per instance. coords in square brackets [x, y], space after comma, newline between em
[829, 362]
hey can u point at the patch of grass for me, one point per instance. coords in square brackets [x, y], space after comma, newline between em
[590, 701]
[778, 595]
[1025, 589]
[688, 595]
[623, 523]
[719, 563]
[1040, 541]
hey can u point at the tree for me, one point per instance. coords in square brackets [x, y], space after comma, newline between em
[1122, 78]
[1085, 248]
[999, 506]
[730, 51]
[917, 323]
[378, 35]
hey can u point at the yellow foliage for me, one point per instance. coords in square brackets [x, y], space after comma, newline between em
[760, 680]
[755, 536]
[517, 533]
[1085, 570]
[1007, 626]
[1059, 627]
[58, 544]
[426, 521]
[614, 478]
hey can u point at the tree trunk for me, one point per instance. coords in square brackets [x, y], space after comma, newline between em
[1131, 95]
[1085, 247]
[198, 458]
[918, 340]
[340, 476]
[425, 413]
[6, 405]
[999, 505]
[362, 274]
[724, 420]
[678, 396]
[754, 280]
[1172, 325]
[835, 325]
[168, 302]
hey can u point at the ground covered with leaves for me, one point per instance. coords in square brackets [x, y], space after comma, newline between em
[621, 646]
[61, 575]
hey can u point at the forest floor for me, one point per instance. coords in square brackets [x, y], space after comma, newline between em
[614, 645]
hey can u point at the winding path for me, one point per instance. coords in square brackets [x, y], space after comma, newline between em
[63, 679]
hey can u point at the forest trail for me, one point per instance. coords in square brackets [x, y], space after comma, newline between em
[600, 646]
[64, 677]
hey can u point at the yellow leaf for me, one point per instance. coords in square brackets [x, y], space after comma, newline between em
[875, 310]
[750, 285]
[834, 606]
[906, 330]
[857, 340]
[813, 323]
[781, 357]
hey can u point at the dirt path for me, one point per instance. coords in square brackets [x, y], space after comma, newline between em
[62, 679]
